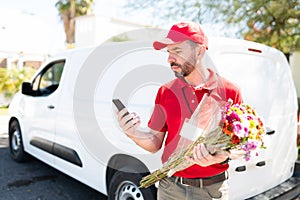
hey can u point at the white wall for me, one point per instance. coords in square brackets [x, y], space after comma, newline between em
[295, 67]
[95, 29]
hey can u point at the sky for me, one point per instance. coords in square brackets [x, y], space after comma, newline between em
[35, 26]
[30, 25]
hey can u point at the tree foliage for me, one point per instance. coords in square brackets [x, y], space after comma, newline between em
[11, 79]
[68, 11]
[166, 10]
[271, 22]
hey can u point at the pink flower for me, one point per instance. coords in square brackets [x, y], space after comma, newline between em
[241, 123]
[238, 129]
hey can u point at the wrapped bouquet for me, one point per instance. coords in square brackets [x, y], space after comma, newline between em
[220, 126]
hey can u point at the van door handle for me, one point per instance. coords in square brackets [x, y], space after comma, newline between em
[270, 131]
[51, 107]
[261, 164]
[240, 169]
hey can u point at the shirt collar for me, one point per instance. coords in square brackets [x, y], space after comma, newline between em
[209, 84]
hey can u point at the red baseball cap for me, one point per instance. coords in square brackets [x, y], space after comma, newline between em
[180, 32]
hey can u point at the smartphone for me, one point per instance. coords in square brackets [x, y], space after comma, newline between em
[118, 103]
[120, 106]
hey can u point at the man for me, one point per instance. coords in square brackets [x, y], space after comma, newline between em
[186, 44]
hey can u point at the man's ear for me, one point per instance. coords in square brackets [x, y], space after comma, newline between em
[200, 49]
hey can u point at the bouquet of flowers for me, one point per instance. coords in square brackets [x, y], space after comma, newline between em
[220, 126]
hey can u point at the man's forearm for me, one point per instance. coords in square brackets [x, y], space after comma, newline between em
[149, 140]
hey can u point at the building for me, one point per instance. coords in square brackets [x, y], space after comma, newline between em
[94, 30]
[295, 66]
[24, 39]
[9, 59]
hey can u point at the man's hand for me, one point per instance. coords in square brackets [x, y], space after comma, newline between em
[149, 140]
[236, 154]
[202, 157]
[128, 123]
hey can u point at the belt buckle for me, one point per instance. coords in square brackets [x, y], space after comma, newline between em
[181, 182]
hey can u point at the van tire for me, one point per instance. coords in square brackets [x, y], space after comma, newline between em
[124, 185]
[16, 146]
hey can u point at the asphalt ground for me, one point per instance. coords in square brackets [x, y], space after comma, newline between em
[34, 180]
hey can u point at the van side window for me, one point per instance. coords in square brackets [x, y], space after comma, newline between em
[46, 82]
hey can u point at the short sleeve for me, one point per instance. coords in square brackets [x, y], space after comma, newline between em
[157, 120]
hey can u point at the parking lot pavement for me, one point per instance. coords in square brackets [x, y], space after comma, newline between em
[35, 180]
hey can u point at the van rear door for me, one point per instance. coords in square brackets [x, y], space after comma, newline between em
[264, 76]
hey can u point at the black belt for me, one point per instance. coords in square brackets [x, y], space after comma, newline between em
[200, 182]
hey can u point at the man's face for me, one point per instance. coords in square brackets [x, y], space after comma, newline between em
[182, 58]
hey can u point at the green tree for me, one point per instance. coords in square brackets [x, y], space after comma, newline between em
[164, 11]
[11, 79]
[271, 22]
[68, 11]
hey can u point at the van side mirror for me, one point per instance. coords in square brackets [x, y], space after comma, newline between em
[27, 89]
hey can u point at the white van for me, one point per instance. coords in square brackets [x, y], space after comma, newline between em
[65, 116]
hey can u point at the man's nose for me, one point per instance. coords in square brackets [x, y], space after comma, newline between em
[171, 58]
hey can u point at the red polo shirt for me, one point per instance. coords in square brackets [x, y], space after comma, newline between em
[175, 102]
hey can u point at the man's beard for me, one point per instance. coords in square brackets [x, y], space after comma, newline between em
[186, 68]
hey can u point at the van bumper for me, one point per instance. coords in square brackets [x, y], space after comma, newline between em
[290, 189]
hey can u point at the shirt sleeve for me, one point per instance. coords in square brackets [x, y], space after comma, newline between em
[157, 120]
[232, 91]
[238, 96]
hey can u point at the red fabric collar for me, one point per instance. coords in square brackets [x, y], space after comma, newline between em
[211, 82]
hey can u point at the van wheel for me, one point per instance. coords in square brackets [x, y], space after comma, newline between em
[125, 186]
[16, 143]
